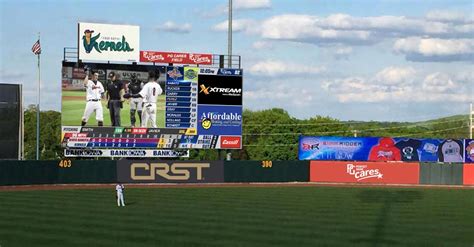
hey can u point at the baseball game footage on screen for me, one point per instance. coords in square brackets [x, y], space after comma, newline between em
[145, 106]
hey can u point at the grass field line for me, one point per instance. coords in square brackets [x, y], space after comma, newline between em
[217, 185]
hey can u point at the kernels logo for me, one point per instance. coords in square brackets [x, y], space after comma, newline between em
[91, 42]
[175, 171]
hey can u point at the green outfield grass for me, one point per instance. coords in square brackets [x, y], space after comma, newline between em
[239, 216]
[73, 109]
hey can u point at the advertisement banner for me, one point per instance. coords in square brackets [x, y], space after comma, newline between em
[220, 90]
[380, 149]
[219, 120]
[364, 172]
[468, 174]
[175, 57]
[139, 153]
[106, 42]
[469, 151]
[157, 171]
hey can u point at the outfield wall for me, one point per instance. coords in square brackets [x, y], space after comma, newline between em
[56, 172]
[266, 171]
[156, 171]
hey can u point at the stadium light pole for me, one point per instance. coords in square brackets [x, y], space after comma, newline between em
[229, 36]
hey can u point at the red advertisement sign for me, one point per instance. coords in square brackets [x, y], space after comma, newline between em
[468, 174]
[175, 57]
[364, 172]
[230, 141]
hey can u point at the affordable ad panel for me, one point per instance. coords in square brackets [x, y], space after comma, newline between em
[156, 171]
[219, 120]
[364, 172]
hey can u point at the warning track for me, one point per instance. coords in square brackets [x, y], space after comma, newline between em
[218, 185]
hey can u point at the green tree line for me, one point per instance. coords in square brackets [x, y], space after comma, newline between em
[270, 134]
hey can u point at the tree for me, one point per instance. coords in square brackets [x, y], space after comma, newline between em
[50, 134]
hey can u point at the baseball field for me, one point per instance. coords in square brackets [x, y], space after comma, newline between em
[238, 216]
[74, 103]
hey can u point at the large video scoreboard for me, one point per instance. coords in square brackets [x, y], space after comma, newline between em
[199, 108]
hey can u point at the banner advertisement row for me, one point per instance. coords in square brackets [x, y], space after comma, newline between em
[385, 149]
[156, 171]
[126, 153]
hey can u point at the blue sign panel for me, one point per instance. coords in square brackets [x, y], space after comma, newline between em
[469, 151]
[380, 149]
[219, 120]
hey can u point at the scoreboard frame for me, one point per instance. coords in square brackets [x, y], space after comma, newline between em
[224, 132]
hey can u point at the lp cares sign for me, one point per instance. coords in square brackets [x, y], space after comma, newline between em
[170, 171]
[364, 172]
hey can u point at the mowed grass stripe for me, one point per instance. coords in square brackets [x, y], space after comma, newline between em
[237, 216]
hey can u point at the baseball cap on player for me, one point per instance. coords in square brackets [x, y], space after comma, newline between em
[111, 74]
[154, 74]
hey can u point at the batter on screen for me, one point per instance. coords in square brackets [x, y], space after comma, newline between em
[94, 93]
[149, 93]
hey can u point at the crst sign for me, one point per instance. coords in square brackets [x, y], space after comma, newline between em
[140, 171]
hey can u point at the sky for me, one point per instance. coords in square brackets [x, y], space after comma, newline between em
[362, 60]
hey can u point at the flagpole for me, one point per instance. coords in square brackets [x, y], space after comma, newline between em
[38, 106]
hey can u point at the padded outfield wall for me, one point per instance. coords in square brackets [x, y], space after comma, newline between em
[156, 171]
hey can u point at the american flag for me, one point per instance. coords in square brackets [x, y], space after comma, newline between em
[36, 49]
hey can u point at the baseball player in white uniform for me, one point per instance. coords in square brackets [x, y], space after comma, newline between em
[149, 93]
[94, 93]
[119, 188]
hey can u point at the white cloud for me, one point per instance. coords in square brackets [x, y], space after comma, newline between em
[433, 49]
[173, 27]
[273, 68]
[304, 28]
[261, 44]
[251, 4]
[238, 5]
[238, 25]
[446, 16]
[342, 52]
[282, 94]
[395, 76]
[442, 37]
[434, 87]
[439, 83]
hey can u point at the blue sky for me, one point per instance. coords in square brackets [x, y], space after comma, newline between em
[362, 60]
